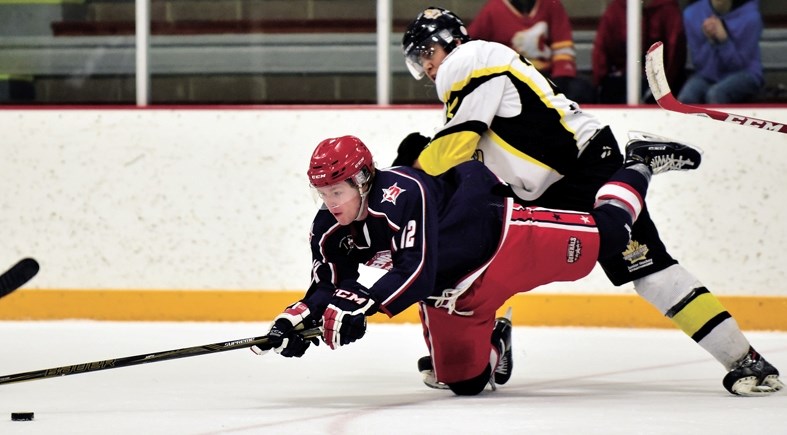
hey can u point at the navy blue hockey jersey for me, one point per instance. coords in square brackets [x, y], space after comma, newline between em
[426, 232]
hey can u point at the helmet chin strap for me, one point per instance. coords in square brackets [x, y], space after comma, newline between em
[364, 197]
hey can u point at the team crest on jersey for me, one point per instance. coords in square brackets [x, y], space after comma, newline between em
[574, 250]
[347, 243]
[381, 260]
[637, 255]
[390, 194]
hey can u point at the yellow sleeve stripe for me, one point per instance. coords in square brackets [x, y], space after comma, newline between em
[447, 151]
[483, 72]
[561, 44]
[511, 150]
[431, 162]
[500, 70]
[558, 57]
[697, 313]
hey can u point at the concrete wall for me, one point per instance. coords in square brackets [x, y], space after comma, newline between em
[211, 199]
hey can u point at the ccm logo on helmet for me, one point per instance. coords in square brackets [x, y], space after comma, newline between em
[350, 296]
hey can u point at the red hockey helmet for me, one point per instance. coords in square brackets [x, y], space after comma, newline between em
[338, 159]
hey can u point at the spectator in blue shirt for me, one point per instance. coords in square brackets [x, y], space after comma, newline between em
[724, 46]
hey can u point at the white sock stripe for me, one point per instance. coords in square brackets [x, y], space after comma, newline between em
[627, 189]
[617, 202]
[624, 194]
[562, 226]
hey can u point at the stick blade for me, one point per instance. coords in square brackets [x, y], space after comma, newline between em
[18, 275]
[659, 86]
[654, 71]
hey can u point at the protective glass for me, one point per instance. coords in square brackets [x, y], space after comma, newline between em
[415, 56]
[335, 195]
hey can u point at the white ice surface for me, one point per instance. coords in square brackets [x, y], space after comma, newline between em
[565, 381]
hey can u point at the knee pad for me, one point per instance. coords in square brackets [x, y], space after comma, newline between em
[614, 230]
[472, 386]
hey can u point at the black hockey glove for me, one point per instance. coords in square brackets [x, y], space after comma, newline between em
[344, 320]
[283, 336]
[410, 148]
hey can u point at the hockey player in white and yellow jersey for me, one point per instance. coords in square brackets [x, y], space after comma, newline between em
[500, 110]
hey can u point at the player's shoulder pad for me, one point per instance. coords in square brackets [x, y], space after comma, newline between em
[465, 55]
[402, 175]
[471, 59]
[457, 69]
[397, 184]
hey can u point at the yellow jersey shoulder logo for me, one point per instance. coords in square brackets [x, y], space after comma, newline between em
[449, 108]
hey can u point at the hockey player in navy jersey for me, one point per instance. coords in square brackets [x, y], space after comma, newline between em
[500, 110]
[453, 244]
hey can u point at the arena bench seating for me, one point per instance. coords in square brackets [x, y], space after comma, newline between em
[311, 57]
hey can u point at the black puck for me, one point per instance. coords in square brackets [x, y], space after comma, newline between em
[21, 416]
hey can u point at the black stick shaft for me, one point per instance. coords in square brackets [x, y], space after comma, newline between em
[143, 358]
[18, 275]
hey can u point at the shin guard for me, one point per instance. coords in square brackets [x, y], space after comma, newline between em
[696, 311]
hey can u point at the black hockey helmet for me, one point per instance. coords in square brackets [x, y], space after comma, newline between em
[432, 26]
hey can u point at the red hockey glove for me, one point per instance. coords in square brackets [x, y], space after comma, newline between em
[344, 321]
[283, 336]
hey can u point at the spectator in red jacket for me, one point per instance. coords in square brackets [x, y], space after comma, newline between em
[540, 31]
[662, 20]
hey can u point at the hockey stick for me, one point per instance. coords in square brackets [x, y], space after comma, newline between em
[165, 355]
[18, 275]
[657, 79]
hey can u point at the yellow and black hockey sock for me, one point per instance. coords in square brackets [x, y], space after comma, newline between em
[678, 295]
[698, 313]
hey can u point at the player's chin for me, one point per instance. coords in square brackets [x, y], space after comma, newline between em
[343, 218]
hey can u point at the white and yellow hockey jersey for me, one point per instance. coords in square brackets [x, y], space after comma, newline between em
[499, 109]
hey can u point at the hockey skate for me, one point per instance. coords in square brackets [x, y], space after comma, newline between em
[661, 154]
[501, 338]
[427, 370]
[753, 376]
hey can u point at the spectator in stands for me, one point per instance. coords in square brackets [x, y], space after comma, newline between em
[724, 45]
[661, 21]
[540, 31]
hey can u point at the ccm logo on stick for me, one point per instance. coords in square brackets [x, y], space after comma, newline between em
[765, 125]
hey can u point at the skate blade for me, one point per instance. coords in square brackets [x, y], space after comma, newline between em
[748, 387]
[431, 381]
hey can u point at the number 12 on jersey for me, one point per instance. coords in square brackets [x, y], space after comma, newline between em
[408, 235]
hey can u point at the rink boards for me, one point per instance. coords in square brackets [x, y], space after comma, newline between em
[203, 213]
